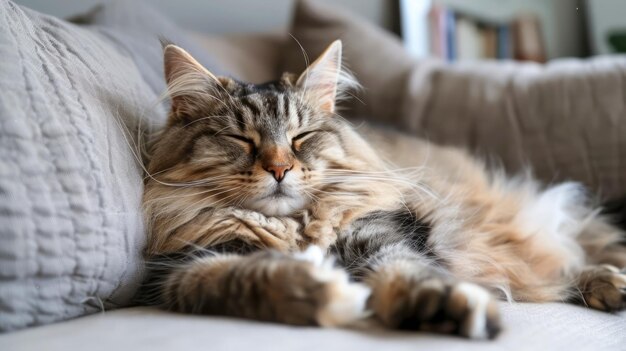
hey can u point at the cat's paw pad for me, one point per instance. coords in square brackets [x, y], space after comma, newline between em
[345, 301]
[604, 288]
[452, 308]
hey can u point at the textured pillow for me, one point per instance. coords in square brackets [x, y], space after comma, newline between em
[566, 119]
[252, 58]
[71, 228]
[136, 28]
[375, 56]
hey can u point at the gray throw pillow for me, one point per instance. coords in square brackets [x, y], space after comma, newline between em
[73, 98]
[137, 28]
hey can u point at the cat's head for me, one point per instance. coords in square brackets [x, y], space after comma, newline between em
[263, 147]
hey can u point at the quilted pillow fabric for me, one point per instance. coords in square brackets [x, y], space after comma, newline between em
[71, 231]
[135, 27]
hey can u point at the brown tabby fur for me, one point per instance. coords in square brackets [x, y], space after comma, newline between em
[483, 228]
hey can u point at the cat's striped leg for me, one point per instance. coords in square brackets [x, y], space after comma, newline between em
[388, 251]
[298, 289]
[602, 284]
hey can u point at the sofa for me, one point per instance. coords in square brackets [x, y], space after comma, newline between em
[80, 97]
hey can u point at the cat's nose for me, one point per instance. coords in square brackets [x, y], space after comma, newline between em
[278, 170]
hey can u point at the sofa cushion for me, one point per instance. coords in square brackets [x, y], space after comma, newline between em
[71, 229]
[526, 327]
[136, 28]
[565, 120]
[252, 58]
[248, 57]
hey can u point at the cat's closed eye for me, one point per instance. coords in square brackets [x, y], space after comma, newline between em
[243, 141]
[240, 138]
[297, 141]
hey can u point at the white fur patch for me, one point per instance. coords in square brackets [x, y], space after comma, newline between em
[556, 210]
[313, 254]
[347, 300]
[558, 216]
[292, 200]
[477, 302]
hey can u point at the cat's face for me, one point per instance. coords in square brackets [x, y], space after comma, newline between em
[262, 147]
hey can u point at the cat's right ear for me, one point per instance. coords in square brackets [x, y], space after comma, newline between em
[186, 78]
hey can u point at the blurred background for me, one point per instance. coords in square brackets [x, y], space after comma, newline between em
[452, 30]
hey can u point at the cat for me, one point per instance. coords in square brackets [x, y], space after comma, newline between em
[254, 190]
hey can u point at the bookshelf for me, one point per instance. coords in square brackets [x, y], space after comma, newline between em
[457, 30]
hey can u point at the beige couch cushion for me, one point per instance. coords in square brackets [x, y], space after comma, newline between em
[526, 327]
[566, 119]
[251, 58]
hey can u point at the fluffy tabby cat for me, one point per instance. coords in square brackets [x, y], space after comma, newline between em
[252, 186]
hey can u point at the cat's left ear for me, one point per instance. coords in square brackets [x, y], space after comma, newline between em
[319, 81]
[187, 80]
[178, 62]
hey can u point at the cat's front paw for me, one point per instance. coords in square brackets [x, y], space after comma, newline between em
[344, 301]
[439, 306]
[603, 288]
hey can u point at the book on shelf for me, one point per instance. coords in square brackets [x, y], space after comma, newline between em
[450, 34]
[504, 49]
[431, 29]
[489, 37]
[438, 31]
[468, 39]
[527, 36]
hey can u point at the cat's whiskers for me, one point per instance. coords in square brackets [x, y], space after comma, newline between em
[205, 118]
[318, 189]
[226, 200]
[340, 176]
[213, 193]
[198, 182]
[179, 195]
[243, 199]
[211, 203]
[309, 194]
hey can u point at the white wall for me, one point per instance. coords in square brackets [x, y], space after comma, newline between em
[222, 16]
[605, 16]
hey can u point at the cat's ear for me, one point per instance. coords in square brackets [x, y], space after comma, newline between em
[185, 77]
[319, 81]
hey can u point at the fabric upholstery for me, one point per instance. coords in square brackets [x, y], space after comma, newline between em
[552, 327]
[136, 28]
[250, 58]
[71, 228]
[566, 119]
